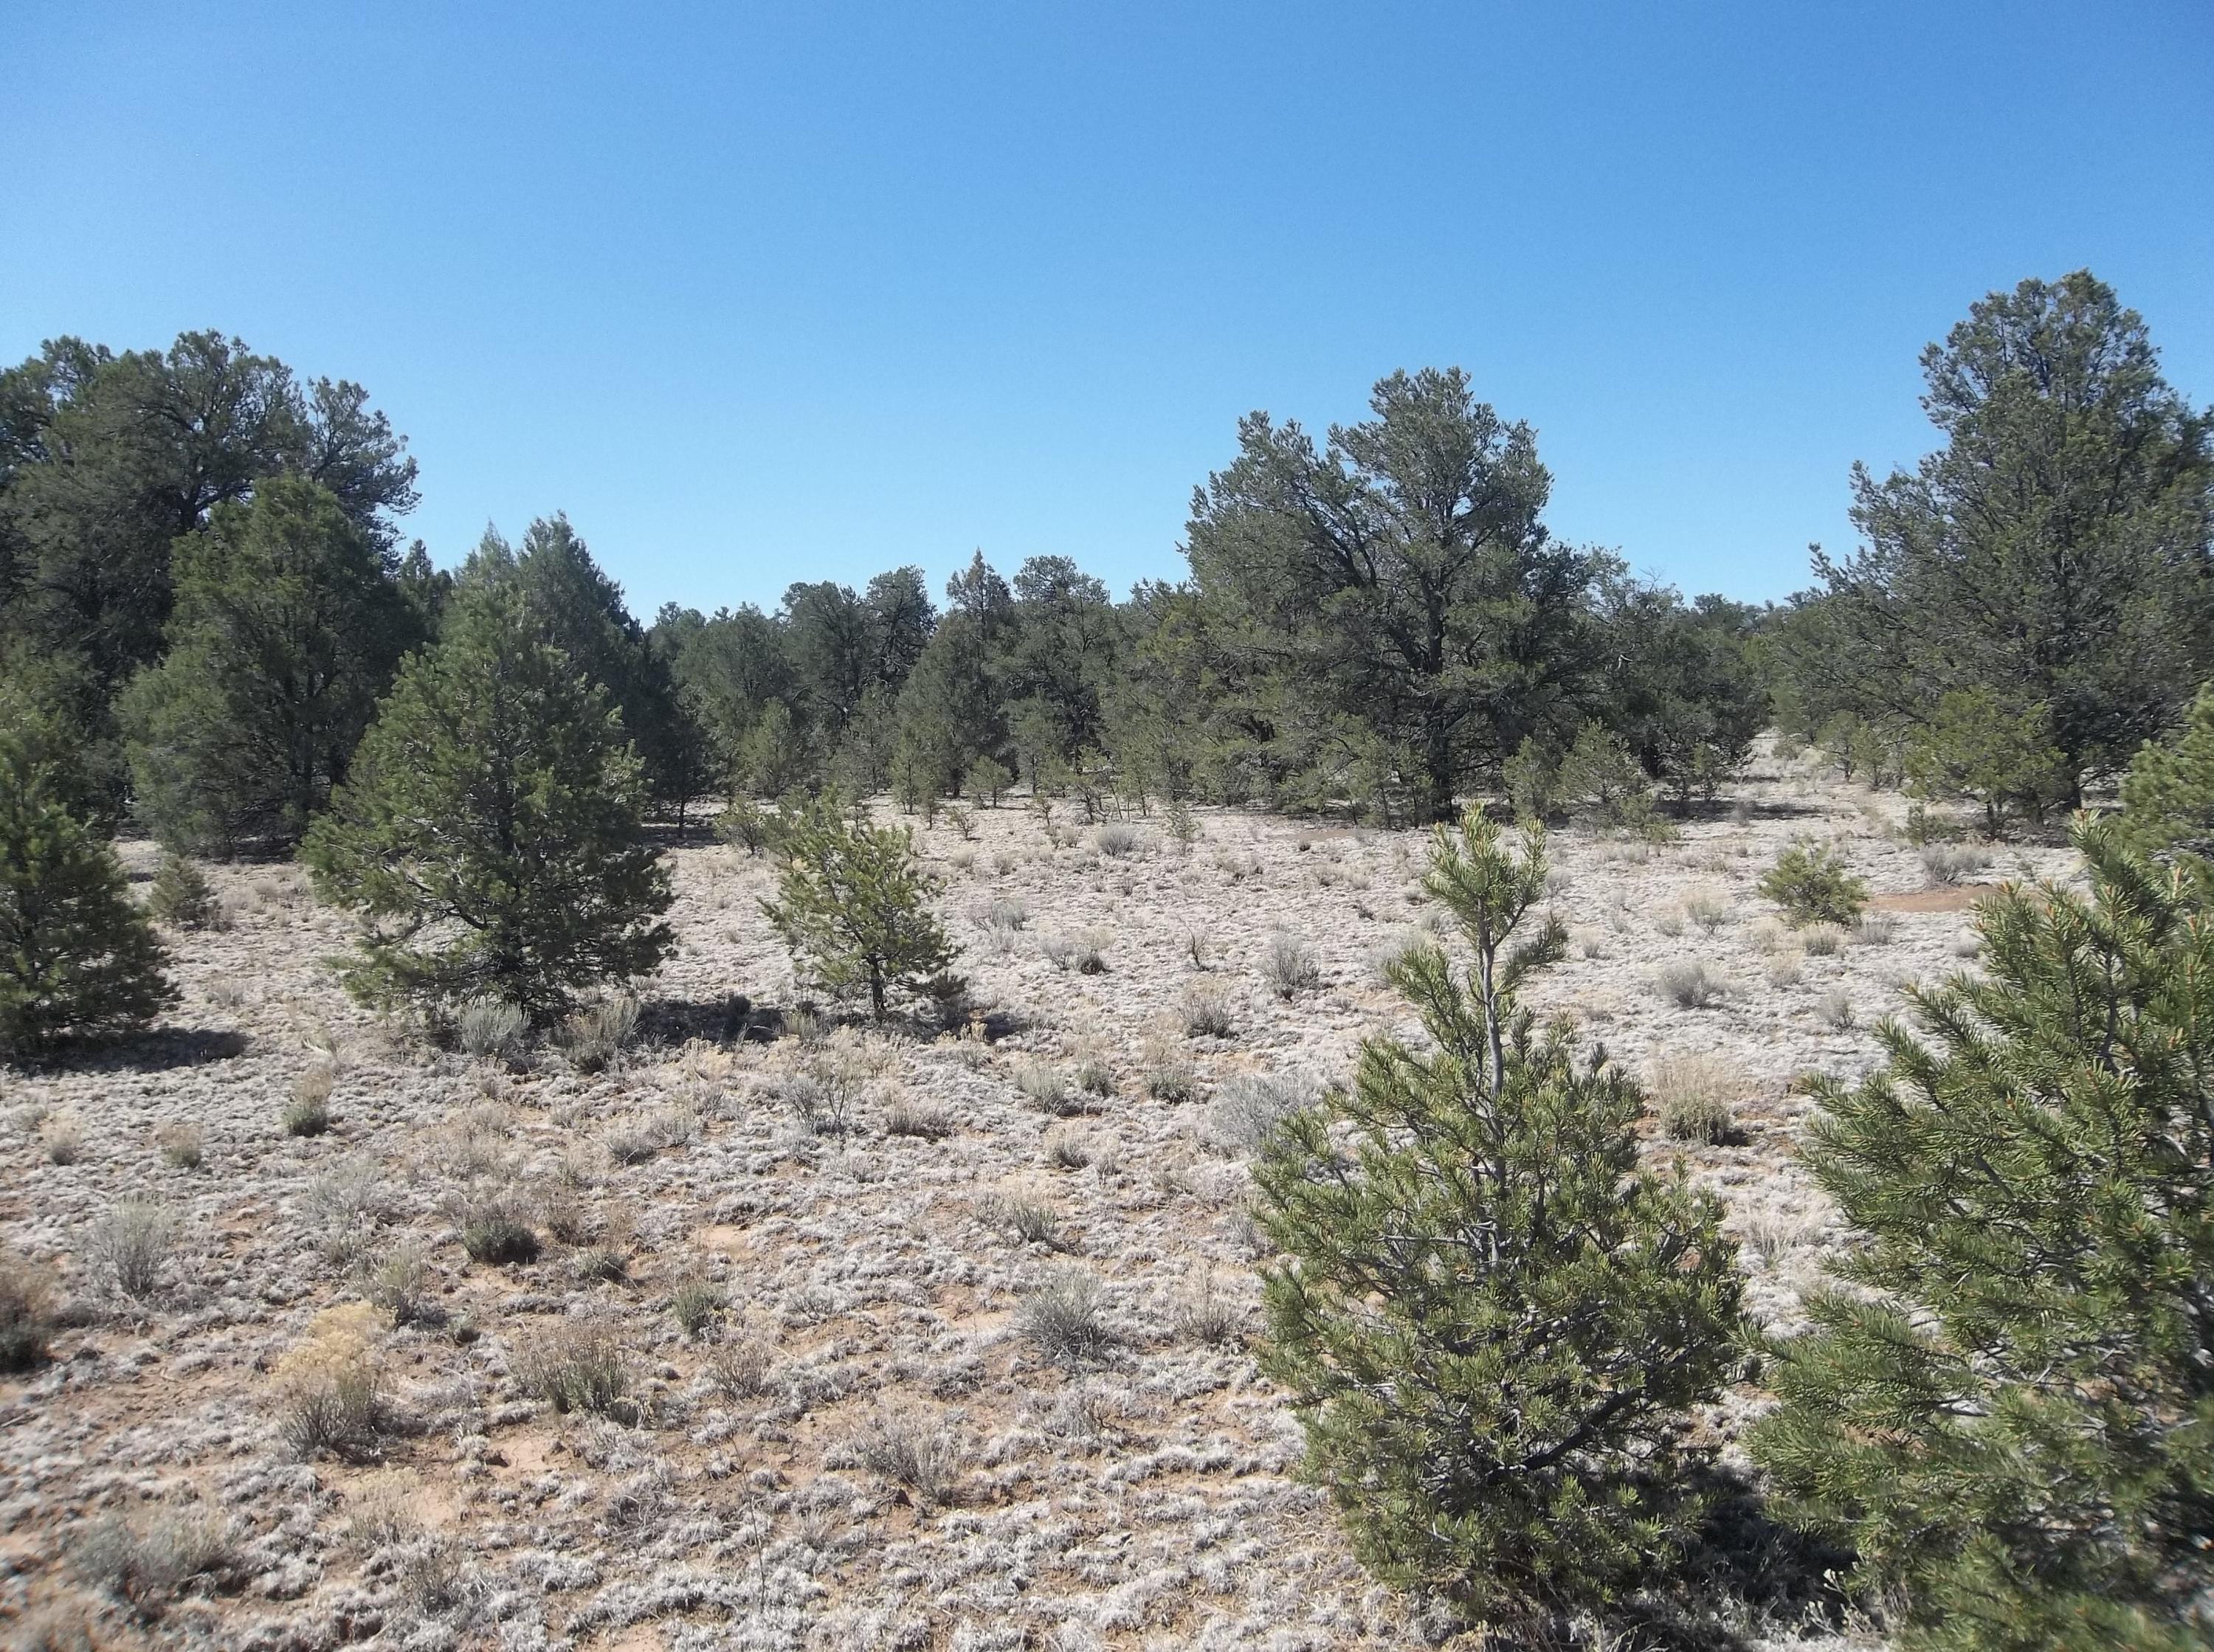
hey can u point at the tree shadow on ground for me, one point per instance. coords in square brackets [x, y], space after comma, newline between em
[158, 1050]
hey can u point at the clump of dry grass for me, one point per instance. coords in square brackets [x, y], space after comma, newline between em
[331, 1385]
[739, 1368]
[575, 1366]
[494, 1225]
[61, 1137]
[1067, 1149]
[1030, 1221]
[151, 1564]
[1707, 908]
[1823, 940]
[1207, 1012]
[921, 1458]
[1688, 984]
[1209, 1316]
[1064, 1317]
[694, 1304]
[309, 1111]
[594, 1035]
[27, 1306]
[180, 1144]
[491, 1029]
[1692, 1095]
[397, 1285]
[1835, 1011]
[1289, 967]
[129, 1247]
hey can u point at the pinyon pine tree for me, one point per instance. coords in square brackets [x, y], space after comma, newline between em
[77, 957]
[853, 904]
[1491, 1321]
[491, 830]
[2007, 1406]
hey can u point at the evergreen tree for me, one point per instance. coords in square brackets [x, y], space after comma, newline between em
[77, 957]
[286, 629]
[1402, 576]
[1493, 1323]
[852, 904]
[1973, 746]
[492, 830]
[2006, 1405]
[2054, 551]
[2168, 795]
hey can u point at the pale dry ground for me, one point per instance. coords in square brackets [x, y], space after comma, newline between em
[1148, 1500]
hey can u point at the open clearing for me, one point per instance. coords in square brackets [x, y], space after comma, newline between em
[867, 1443]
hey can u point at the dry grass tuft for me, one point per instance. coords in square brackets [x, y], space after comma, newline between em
[1692, 1097]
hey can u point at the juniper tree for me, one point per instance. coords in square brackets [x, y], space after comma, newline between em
[287, 627]
[1492, 1322]
[852, 904]
[2006, 1403]
[77, 957]
[491, 833]
[2168, 795]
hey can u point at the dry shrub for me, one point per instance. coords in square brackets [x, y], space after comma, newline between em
[27, 1306]
[917, 1116]
[1247, 1109]
[1835, 1011]
[1689, 984]
[922, 1457]
[150, 1564]
[1289, 967]
[491, 1029]
[1067, 1149]
[739, 1368]
[1209, 1316]
[398, 1286]
[1691, 1097]
[594, 1035]
[129, 1247]
[1029, 1220]
[331, 1383]
[309, 1111]
[495, 1227]
[576, 1366]
[694, 1304]
[1823, 940]
[1207, 1012]
[1064, 1317]
[62, 1138]
[182, 1145]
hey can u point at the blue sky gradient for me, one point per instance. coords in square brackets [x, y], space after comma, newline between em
[758, 294]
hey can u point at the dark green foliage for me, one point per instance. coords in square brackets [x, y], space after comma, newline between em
[77, 957]
[852, 904]
[2053, 551]
[2008, 1405]
[1814, 884]
[1400, 577]
[580, 611]
[286, 629]
[1973, 746]
[2168, 795]
[181, 896]
[1494, 1324]
[1601, 777]
[112, 458]
[987, 781]
[491, 832]
[1692, 686]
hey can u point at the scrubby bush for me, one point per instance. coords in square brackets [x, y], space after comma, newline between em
[694, 1304]
[594, 1035]
[2004, 1406]
[1814, 884]
[77, 957]
[1206, 1012]
[921, 1458]
[1117, 839]
[576, 1366]
[1533, 779]
[1249, 1108]
[490, 831]
[853, 906]
[494, 1228]
[1691, 1096]
[988, 779]
[1493, 1324]
[181, 896]
[151, 1563]
[1289, 966]
[308, 1111]
[490, 1028]
[331, 1385]
[1950, 863]
[1690, 985]
[1064, 1317]
[129, 1247]
[27, 1304]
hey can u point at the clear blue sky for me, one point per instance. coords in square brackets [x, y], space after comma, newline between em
[760, 293]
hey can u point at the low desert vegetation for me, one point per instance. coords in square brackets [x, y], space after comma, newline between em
[1814, 884]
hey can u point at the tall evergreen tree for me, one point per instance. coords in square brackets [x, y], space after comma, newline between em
[287, 627]
[491, 833]
[1402, 576]
[2054, 551]
[1491, 1321]
[2007, 1405]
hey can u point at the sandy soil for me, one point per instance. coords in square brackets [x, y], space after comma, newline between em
[746, 1491]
